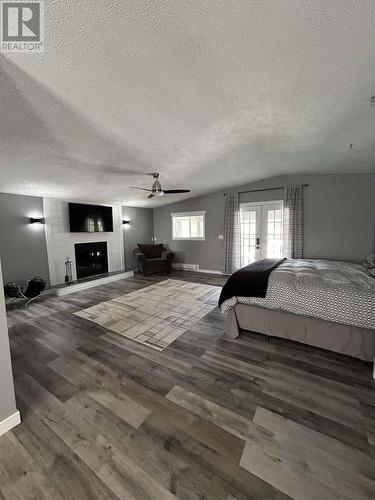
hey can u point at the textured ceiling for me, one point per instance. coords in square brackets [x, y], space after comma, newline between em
[208, 93]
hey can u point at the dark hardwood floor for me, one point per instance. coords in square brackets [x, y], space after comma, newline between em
[104, 417]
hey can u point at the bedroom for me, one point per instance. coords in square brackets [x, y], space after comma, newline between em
[120, 376]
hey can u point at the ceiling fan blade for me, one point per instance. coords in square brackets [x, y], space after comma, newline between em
[150, 196]
[143, 189]
[176, 191]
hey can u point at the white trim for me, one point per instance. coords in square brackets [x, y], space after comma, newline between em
[261, 209]
[66, 290]
[189, 214]
[118, 214]
[184, 267]
[210, 271]
[198, 213]
[257, 203]
[189, 239]
[49, 240]
[10, 422]
[193, 267]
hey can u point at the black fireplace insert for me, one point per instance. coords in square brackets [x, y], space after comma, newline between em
[91, 259]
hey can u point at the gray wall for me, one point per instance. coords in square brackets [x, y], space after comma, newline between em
[339, 224]
[208, 253]
[23, 249]
[339, 218]
[140, 230]
[7, 400]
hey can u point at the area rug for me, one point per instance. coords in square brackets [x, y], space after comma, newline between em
[156, 315]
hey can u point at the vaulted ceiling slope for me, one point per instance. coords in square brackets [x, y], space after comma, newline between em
[210, 94]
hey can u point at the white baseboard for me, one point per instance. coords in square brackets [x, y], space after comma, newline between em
[89, 284]
[10, 422]
[209, 271]
[193, 267]
[185, 267]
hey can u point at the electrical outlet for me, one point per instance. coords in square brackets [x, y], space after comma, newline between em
[221, 236]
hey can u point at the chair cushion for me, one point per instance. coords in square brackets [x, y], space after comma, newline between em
[151, 251]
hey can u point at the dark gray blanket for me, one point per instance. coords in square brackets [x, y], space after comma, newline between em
[250, 281]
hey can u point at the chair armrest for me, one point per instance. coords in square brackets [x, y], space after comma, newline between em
[167, 254]
[139, 255]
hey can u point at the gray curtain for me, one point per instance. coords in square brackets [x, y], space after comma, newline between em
[293, 222]
[232, 234]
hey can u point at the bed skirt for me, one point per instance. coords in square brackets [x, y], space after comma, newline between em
[344, 339]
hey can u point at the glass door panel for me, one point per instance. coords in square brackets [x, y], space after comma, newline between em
[272, 231]
[261, 231]
[250, 224]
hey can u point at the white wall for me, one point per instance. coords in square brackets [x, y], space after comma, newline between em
[60, 241]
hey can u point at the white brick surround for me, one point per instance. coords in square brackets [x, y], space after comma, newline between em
[60, 241]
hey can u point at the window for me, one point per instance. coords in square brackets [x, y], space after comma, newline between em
[261, 231]
[188, 226]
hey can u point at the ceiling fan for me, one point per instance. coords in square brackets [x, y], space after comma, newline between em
[157, 190]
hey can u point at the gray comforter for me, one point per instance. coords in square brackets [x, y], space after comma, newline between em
[334, 291]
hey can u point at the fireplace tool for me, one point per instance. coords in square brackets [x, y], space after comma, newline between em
[68, 271]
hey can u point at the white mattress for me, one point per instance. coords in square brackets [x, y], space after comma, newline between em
[334, 291]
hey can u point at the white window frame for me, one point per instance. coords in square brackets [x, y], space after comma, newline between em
[189, 214]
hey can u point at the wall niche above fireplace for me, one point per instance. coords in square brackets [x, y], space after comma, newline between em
[91, 259]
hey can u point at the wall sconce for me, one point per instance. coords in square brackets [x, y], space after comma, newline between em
[126, 221]
[37, 220]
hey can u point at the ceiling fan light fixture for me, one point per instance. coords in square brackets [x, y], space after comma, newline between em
[157, 190]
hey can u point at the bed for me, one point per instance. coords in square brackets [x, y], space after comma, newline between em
[326, 304]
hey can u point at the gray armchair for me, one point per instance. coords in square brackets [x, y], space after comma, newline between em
[153, 259]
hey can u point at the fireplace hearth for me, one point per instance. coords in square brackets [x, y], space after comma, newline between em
[91, 259]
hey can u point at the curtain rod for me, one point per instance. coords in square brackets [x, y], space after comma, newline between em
[265, 189]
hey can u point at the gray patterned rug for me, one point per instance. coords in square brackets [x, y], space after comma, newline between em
[156, 315]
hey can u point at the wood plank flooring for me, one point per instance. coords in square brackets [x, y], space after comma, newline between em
[104, 417]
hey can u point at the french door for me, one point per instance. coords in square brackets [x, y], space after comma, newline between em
[261, 231]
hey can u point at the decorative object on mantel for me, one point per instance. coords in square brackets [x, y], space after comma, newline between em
[68, 271]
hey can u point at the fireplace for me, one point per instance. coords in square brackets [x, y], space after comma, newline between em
[91, 259]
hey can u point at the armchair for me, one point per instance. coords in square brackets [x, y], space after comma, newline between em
[153, 259]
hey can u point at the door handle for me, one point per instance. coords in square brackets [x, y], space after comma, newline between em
[257, 242]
